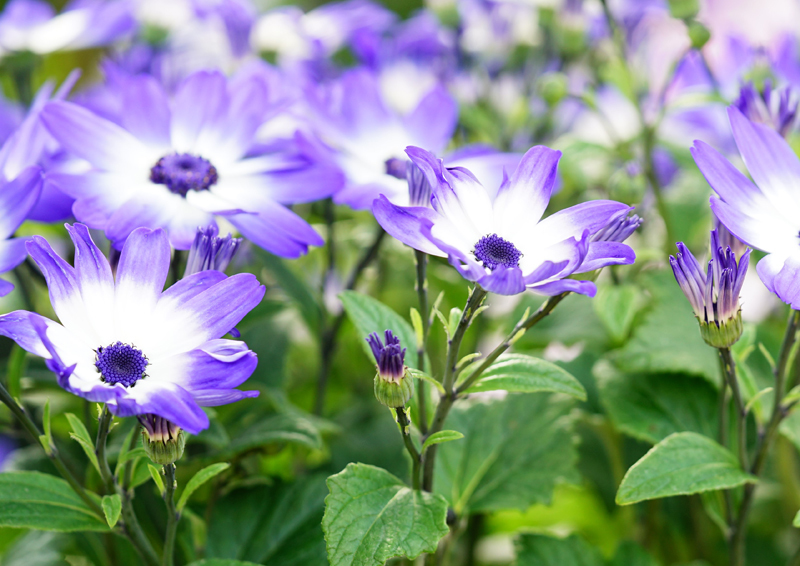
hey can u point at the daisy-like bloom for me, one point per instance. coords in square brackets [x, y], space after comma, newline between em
[181, 162]
[393, 384]
[33, 25]
[368, 136]
[764, 214]
[497, 237]
[714, 295]
[124, 341]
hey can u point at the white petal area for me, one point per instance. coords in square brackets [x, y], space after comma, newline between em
[55, 34]
[217, 198]
[72, 350]
[451, 234]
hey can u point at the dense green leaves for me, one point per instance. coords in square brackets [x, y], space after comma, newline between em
[41, 501]
[526, 374]
[371, 516]
[276, 524]
[543, 550]
[370, 315]
[650, 407]
[681, 464]
[513, 452]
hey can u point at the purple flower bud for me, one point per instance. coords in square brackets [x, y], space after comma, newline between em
[618, 229]
[713, 294]
[390, 357]
[163, 440]
[209, 251]
[775, 108]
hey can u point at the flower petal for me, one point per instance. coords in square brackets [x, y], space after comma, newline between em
[405, 224]
[17, 198]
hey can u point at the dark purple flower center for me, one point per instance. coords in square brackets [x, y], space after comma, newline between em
[183, 172]
[493, 252]
[120, 363]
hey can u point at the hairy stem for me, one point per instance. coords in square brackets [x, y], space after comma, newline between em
[330, 333]
[422, 296]
[447, 399]
[404, 422]
[167, 559]
[729, 373]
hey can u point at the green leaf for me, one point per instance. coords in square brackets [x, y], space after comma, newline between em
[112, 507]
[271, 524]
[80, 434]
[291, 428]
[199, 479]
[616, 306]
[796, 521]
[668, 340]
[295, 287]
[37, 548]
[221, 562]
[425, 377]
[651, 407]
[370, 315]
[514, 451]
[131, 455]
[543, 550]
[526, 374]
[155, 473]
[372, 516]
[681, 464]
[40, 501]
[442, 436]
[631, 554]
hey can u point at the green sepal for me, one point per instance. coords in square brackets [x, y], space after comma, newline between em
[391, 394]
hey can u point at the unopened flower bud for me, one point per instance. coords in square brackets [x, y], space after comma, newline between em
[393, 383]
[163, 441]
[209, 251]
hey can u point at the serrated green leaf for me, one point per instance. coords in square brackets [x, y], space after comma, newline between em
[425, 377]
[155, 473]
[513, 453]
[81, 435]
[526, 374]
[372, 516]
[271, 524]
[199, 479]
[681, 464]
[440, 437]
[370, 315]
[40, 501]
[112, 507]
[543, 550]
[616, 306]
[650, 407]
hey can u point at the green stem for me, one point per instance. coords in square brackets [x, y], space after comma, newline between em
[329, 334]
[766, 437]
[52, 453]
[173, 516]
[544, 310]
[447, 398]
[729, 369]
[100, 449]
[404, 422]
[422, 296]
[723, 439]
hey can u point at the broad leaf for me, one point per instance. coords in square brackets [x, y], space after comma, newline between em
[668, 340]
[631, 554]
[616, 306]
[526, 374]
[280, 428]
[513, 453]
[442, 436]
[199, 479]
[651, 407]
[681, 464]
[37, 548]
[40, 501]
[276, 524]
[371, 516]
[370, 315]
[112, 507]
[543, 550]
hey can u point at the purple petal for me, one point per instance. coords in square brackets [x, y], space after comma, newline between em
[278, 230]
[524, 198]
[191, 286]
[169, 401]
[146, 110]
[503, 281]
[771, 235]
[143, 268]
[18, 326]
[571, 222]
[602, 254]
[433, 121]
[216, 397]
[12, 253]
[405, 224]
[62, 284]
[217, 364]
[787, 282]
[727, 181]
[17, 198]
[565, 285]
[199, 104]
[100, 142]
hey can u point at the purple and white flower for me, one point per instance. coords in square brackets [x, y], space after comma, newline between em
[33, 25]
[498, 238]
[763, 213]
[124, 341]
[189, 160]
[713, 294]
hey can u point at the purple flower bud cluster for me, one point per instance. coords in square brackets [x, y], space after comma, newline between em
[389, 355]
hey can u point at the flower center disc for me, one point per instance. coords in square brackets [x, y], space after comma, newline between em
[493, 251]
[120, 363]
[183, 172]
